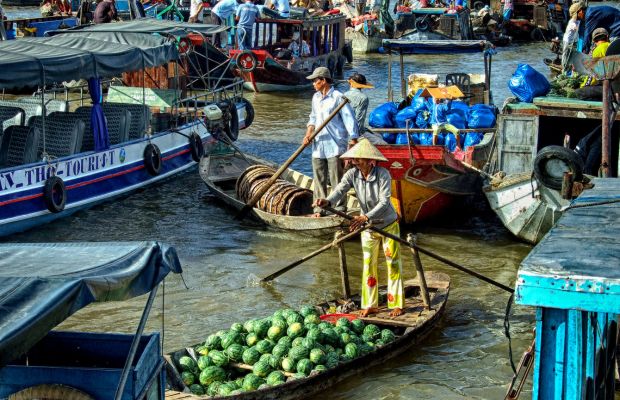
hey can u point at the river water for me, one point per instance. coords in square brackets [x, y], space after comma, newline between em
[466, 356]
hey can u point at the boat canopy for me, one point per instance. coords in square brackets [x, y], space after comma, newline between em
[42, 284]
[146, 25]
[42, 61]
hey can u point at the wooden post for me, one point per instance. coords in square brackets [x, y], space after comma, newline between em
[606, 129]
[344, 274]
[418, 266]
[403, 86]
[390, 95]
[567, 185]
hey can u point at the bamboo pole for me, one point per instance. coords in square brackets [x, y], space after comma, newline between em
[342, 258]
[418, 266]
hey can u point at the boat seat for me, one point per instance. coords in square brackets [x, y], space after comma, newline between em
[51, 105]
[460, 80]
[11, 116]
[19, 145]
[140, 117]
[116, 120]
[30, 109]
[63, 134]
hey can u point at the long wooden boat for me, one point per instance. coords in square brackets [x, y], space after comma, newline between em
[409, 328]
[220, 172]
[270, 67]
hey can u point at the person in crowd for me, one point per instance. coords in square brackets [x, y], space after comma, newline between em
[600, 42]
[196, 11]
[359, 101]
[105, 12]
[508, 10]
[220, 14]
[333, 140]
[373, 187]
[282, 6]
[577, 13]
[50, 8]
[297, 49]
[246, 16]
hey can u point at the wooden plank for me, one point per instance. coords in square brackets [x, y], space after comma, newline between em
[564, 102]
[174, 395]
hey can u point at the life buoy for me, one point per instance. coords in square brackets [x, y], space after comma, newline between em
[152, 159]
[347, 51]
[231, 119]
[249, 113]
[246, 61]
[55, 194]
[196, 148]
[422, 25]
[552, 161]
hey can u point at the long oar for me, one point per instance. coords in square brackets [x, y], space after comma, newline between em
[250, 204]
[427, 252]
[314, 253]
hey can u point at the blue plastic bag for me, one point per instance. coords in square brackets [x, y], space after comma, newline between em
[401, 138]
[407, 113]
[460, 108]
[426, 138]
[456, 119]
[527, 83]
[449, 141]
[481, 116]
[383, 116]
[472, 139]
[389, 138]
[422, 119]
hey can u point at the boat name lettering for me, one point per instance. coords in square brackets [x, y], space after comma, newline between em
[66, 169]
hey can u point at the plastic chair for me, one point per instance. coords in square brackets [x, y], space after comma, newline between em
[462, 81]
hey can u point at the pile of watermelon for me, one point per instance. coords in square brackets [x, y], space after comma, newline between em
[286, 346]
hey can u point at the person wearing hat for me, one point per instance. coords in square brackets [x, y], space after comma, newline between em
[333, 140]
[600, 40]
[298, 47]
[373, 188]
[359, 100]
[577, 13]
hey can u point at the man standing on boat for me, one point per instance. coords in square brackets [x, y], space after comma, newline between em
[246, 16]
[282, 6]
[373, 188]
[333, 140]
[105, 12]
[196, 12]
[577, 13]
[220, 14]
[359, 101]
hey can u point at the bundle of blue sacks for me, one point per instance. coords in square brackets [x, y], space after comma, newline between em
[422, 114]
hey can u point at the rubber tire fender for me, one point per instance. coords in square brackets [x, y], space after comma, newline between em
[571, 160]
[196, 148]
[239, 61]
[231, 119]
[152, 159]
[249, 112]
[478, 5]
[55, 194]
[422, 25]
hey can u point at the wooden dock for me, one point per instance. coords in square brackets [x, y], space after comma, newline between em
[573, 279]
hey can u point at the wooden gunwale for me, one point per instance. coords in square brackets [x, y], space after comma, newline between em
[421, 322]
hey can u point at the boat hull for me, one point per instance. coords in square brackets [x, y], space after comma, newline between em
[362, 44]
[439, 46]
[528, 210]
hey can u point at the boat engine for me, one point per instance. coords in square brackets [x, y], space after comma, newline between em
[214, 120]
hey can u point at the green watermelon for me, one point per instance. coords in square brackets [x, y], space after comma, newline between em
[225, 389]
[188, 364]
[261, 327]
[317, 356]
[279, 313]
[213, 342]
[345, 338]
[380, 343]
[286, 341]
[308, 343]
[287, 364]
[304, 366]
[345, 358]
[315, 333]
[213, 389]
[387, 336]
[237, 327]
[251, 339]
[343, 322]
[331, 337]
[239, 382]
[357, 325]
[201, 349]
[264, 386]
[295, 329]
[264, 346]
[188, 378]
[312, 319]
[212, 374]
[234, 352]
[372, 331]
[230, 338]
[332, 360]
[297, 353]
[221, 333]
[276, 378]
[325, 325]
[275, 362]
[219, 358]
[320, 368]
[249, 325]
[293, 318]
[279, 322]
[351, 350]
[275, 333]
[265, 358]
[298, 341]
[308, 310]
[251, 382]
[197, 390]
[280, 350]
[261, 369]
[251, 356]
[204, 362]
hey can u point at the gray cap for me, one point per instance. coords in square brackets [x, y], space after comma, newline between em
[598, 32]
[320, 72]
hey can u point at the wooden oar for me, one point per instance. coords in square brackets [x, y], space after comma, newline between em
[314, 253]
[424, 251]
[250, 204]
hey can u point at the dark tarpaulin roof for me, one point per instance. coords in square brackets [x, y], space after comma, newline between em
[42, 61]
[147, 25]
[41, 284]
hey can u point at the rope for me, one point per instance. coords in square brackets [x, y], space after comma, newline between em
[592, 204]
[507, 334]
[163, 310]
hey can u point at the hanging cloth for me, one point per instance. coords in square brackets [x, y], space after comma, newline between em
[97, 119]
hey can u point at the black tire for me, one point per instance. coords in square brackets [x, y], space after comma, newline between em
[196, 148]
[246, 61]
[55, 194]
[552, 161]
[347, 51]
[478, 5]
[231, 119]
[249, 113]
[152, 159]
[422, 25]
[537, 35]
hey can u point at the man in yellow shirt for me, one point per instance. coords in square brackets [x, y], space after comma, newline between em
[600, 38]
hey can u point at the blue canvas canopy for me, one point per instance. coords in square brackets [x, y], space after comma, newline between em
[600, 17]
[147, 25]
[41, 284]
[42, 61]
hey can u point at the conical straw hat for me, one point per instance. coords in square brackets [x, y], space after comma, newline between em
[364, 149]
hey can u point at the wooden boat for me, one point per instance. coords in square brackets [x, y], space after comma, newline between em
[363, 43]
[220, 173]
[270, 66]
[410, 328]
